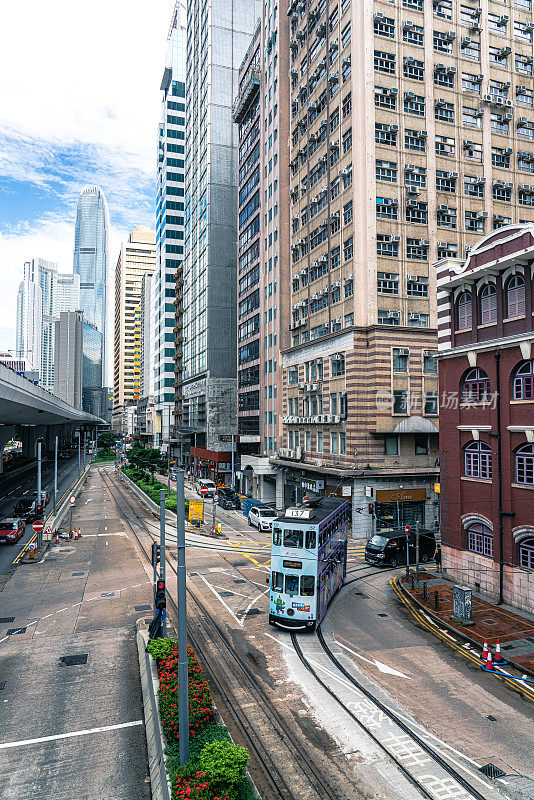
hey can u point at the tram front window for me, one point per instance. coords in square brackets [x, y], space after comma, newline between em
[307, 586]
[278, 581]
[292, 584]
[277, 537]
[311, 540]
[293, 538]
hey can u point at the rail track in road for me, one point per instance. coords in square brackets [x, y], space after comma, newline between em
[263, 729]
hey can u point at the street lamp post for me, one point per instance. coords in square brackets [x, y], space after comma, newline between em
[55, 473]
[183, 702]
[162, 548]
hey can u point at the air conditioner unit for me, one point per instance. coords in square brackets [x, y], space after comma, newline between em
[440, 102]
[475, 26]
[503, 19]
[409, 168]
[488, 98]
[508, 185]
[394, 127]
[521, 121]
[412, 190]
[378, 15]
[452, 174]
[451, 70]
[422, 135]
[465, 41]
[414, 316]
[412, 203]
[409, 95]
[504, 52]
[450, 36]
[407, 25]
[508, 104]
[468, 144]
[480, 181]
[479, 78]
[424, 242]
[443, 207]
[507, 117]
[336, 418]
[482, 214]
[439, 68]
[395, 239]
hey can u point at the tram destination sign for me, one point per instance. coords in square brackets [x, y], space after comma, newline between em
[300, 513]
[292, 564]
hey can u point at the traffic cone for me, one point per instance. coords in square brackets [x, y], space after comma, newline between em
[57, 537]
[498, 657]
[79, 533]
[489, 663]
[485, 650]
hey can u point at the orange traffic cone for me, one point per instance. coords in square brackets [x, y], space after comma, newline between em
[489, 663]
[57, 537]
[485, 650]
[79, 533]
[498, 657]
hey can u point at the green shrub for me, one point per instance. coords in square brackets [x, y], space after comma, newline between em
[225, 763]
[160, 648]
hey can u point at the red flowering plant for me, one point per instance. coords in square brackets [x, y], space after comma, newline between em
[195, 786]
[200, 699]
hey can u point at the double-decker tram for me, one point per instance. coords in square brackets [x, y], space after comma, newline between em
[308, 561]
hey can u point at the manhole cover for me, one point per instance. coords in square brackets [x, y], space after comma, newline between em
[253, 611]
[193, 574]
[491, 718]
[142, 608]
[3, 620]
[492, 771]
[12, 631]
[227, 594]
[73, 661]
[490, 621]
[382, 615]
[77, 574]
[239, 580]
[107, 594]
[240, 563]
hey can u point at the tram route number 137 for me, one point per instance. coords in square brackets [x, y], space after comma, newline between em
[301, 513]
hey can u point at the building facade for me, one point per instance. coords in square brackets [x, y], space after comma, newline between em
[69, 357]
[94, 395]
[486, 378]
[136, 261]
[433, 87]
[218, 36]
[90, 259]
[170, 204]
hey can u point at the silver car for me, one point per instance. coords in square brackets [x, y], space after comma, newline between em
[262, 518]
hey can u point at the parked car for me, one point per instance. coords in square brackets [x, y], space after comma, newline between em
[45, 496]
[388, 548]
[210, 486]
[11, 529]
[228, 498]
[261, 517]
[24, 506]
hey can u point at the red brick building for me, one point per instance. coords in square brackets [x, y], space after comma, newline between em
[486, 389]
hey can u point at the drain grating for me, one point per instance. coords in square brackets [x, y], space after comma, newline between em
[240, 564]
[359, 594]
[491, 771]
[77, 574]
[193, 574]
[491, 718]
[382, 615]
[107, 594]
[12, 631]
[142, 608]
[227, 594]
[239, 580]
[253, 611]
[74, 661]
[3, 620]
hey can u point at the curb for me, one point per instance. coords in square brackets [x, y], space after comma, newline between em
[451, 628]
[159, 782]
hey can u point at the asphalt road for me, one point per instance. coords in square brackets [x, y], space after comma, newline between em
[26, 484]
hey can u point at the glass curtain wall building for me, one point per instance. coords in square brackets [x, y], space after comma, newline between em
[218, 36]
[90, 258]
[169, 234]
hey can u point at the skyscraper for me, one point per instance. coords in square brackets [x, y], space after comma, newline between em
[136, 260]
[90, 258]
[166, 296]
[68, 371]
[218, 35]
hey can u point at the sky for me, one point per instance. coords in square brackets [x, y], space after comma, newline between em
[79, 84]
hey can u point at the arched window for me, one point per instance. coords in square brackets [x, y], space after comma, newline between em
[480, 539]
[476, 387]
[526, 553]
[488, 304]
[515, 296]
[524, 465]
[465, 311]
[477, 460]
[524, 381]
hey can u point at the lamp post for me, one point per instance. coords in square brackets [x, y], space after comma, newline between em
[55, 473]
[183, 701]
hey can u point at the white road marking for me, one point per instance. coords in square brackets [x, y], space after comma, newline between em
[382, 667]
[253, 601]
[46, 615]
[224, 589]
[25, 742]
[217, 595]
[62, 609]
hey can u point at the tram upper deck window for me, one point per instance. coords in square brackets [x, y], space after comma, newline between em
[292, 584]
[311, 540]
[277, 536]
[293, 538]
[307, 585]
[277, 581]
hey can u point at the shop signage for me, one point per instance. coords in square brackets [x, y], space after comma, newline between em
[400, 495]
[437, 488]
[346, 491]
[196, 510]
[313, 486]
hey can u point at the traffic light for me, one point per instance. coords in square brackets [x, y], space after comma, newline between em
[155, 554]
[371, 508]
[161, 600]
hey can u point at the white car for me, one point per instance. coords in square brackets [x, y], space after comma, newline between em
[210, 486]
[262, 518]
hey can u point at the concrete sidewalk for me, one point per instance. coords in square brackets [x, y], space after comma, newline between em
[513, 628]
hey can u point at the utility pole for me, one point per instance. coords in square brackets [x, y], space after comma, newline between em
[162, 548]
[407, 531]
[233, 463]
[39, 497]
[55, 473]
[417, 550]
[183, 700]
[84, 442]
[169, 456]
[79, 453]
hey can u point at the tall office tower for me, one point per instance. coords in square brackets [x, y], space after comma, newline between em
[402, 161]
[94, 395]
[218, 35]
[68, 372]
[137, 258]
[43, 295]
[147, 338]
[90, 259]
[260, 109]
[170, 235]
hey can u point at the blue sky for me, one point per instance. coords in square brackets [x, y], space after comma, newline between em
[80, 105]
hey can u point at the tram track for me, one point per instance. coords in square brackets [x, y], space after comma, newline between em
[208, 636]
[422, 782]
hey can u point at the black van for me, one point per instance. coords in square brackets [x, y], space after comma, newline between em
[228, 498]
[388, 548]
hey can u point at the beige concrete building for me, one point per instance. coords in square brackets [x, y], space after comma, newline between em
[412, 134]
[137, 258]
